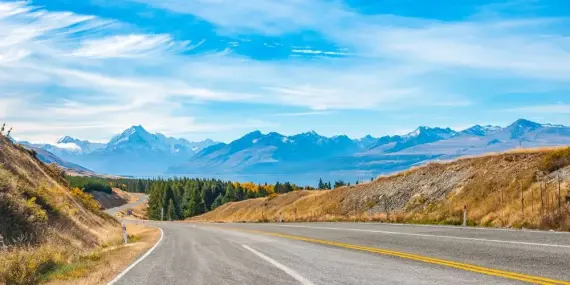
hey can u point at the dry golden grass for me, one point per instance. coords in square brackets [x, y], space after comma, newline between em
[491, 186]
[44, 224]
[106, 263]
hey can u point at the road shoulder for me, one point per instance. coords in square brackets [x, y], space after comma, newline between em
[111, 261]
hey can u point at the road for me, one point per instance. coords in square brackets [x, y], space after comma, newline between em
[351, 253]
[141, 199]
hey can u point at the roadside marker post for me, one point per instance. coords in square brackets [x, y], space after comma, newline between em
[125, 238]
[464, 215]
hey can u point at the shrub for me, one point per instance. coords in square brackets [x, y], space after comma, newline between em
[85, 199]
[26, 266]
[556, 160]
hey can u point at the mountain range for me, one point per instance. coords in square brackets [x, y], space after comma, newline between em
[139, 153]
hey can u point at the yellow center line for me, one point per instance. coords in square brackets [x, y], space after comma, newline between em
[443, 262]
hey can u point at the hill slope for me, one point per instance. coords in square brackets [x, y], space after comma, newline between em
[489, 185]
[44, 224]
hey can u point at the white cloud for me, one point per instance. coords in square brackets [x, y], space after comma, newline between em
[261, 16]
[134, 45]
[317, 52]
[535, 48]
[394, 62]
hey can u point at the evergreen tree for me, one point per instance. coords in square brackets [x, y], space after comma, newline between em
[321, 184]
[217, 202]
[286, 188]
[171, 211]
[140, 187]
[240, 194]
[230, 195]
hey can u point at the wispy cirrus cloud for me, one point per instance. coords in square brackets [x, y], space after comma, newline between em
[317, 52]
[103, 73]
[133, 45]
[530, 47]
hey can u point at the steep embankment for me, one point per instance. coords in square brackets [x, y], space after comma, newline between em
[117, 198]
[44, 226]
[491, 186]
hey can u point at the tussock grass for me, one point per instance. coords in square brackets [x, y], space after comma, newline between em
[491, 186]
[45, 227]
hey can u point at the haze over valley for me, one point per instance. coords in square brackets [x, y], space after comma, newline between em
[301, 158]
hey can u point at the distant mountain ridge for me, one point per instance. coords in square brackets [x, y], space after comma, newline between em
[137, 152]
[257, 153]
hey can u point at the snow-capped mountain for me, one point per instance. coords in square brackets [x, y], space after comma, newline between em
[137, 152]
[481, 131]
[48, 157]
[473, 141]
[422, 135]
[269, 152]
[310, 152]
[78, 146]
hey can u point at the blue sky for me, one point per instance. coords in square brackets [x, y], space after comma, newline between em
[221, 68]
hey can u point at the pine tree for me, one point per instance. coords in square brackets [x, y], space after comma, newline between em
[286, 188]
[240, 193]
[155, 202]
[171, 211]
[321, 184]
[217, 202]
[140, 187]
[230, 195]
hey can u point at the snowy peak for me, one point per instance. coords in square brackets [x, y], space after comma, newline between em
[521, 127]
[524, 124]
[137, 138]
[481, 131]
[132, 134]
[424, 131]
[67, 139]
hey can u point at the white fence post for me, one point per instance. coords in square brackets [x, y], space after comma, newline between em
[125, 237]
[464, 215]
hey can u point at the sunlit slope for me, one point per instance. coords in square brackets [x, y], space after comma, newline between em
[491, 186]
[42, 222]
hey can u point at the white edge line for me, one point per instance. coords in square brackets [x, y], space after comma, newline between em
[284, 268]
[525, 230]
[138, 260]
[430, 235]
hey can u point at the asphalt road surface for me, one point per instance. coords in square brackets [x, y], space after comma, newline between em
[141, 199]
[351, 253]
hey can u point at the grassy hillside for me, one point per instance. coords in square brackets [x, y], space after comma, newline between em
[44, 226]
[491, 186]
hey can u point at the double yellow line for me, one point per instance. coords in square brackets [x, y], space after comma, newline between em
[458, 265]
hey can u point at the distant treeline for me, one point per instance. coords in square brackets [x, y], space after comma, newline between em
[89, 184]
[181, 198]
